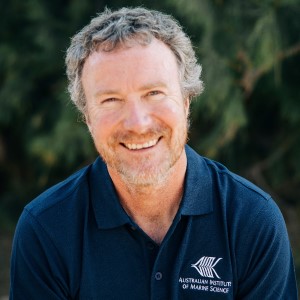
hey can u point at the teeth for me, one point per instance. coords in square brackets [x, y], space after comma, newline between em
[141, 146]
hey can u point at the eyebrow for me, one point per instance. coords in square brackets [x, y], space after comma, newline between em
[106, 92]
[148, 86]
[153, 85]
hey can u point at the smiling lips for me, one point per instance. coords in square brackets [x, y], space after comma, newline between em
[141, 146]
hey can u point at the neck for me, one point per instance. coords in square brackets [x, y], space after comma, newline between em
[153, 208]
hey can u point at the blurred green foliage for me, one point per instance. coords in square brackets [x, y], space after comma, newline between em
[248, 117]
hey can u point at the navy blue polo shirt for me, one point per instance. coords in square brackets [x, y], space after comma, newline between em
[227, 241]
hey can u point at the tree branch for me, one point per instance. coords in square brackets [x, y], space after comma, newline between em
[251, 75]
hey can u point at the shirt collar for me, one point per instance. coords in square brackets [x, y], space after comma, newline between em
[197, 197]
[107, 208]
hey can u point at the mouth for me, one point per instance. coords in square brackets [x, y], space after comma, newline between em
[139, 146]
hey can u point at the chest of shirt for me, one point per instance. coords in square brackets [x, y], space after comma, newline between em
[194, 261]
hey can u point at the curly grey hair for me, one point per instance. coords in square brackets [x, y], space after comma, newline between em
[119, 28]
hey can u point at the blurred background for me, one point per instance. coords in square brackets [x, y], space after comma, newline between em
[248, 118]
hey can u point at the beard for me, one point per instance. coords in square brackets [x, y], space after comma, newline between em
[146, 169]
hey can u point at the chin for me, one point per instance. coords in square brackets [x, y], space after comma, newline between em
[146, 175]
[144, 180]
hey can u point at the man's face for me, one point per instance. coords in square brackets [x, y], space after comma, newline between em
[135, 111]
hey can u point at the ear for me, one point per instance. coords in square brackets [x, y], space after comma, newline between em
[88, 123]
[187, 102]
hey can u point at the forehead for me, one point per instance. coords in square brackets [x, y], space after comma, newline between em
[155, 53]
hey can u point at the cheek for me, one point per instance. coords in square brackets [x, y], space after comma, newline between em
[100, 127]
[104, 119]
[173, 114]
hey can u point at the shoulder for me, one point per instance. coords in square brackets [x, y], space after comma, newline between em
[246, 209]
[232, 195]
[229, 181]
[56, 215]
[49, 232]
[221, 178]
[60, 193]
[60, 209]
[243, 201]
[239, 197]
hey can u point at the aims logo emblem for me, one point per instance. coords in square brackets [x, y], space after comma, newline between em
[205, 266]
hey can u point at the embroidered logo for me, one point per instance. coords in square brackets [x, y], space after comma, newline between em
[205, 266]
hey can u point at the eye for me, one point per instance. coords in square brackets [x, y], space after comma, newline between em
[154, 93]
[110, 100]
[155, 96]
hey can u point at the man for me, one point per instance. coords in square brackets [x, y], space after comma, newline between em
[150, 219]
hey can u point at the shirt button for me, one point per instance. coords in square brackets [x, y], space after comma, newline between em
[158, 275]
[150, 246]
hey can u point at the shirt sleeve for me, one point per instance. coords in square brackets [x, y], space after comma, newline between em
[36, 268]
[264, 259]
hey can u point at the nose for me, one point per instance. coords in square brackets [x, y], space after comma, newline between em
[137, 117]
